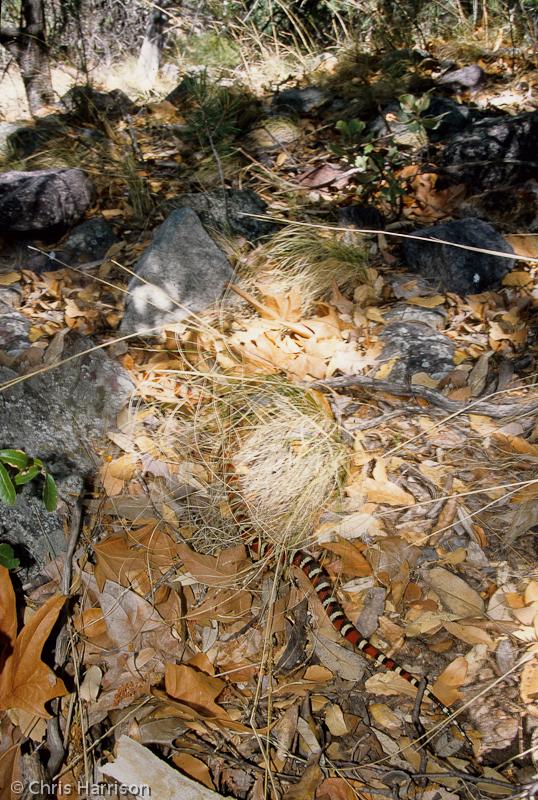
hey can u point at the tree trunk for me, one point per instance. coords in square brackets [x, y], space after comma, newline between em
[149, 59]
[28, 46]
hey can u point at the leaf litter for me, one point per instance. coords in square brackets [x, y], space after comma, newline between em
[177, 637]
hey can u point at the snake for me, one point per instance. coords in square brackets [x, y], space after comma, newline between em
[321, 582]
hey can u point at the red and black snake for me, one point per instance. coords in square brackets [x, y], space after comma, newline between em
[322, 585]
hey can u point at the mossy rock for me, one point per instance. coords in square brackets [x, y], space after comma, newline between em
[274, 133]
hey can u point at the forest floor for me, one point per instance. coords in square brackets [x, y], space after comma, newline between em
[423, 513]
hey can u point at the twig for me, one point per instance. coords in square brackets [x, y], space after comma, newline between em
[433, 396]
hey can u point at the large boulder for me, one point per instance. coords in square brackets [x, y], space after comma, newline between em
[46, 201]
[456, 269]
[494, 152]
[14, 328]
[227, 211]
[182, 271]
[60, 416]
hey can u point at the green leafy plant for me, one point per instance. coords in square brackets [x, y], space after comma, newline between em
[7, 557]
[377, 159]
[18, 468]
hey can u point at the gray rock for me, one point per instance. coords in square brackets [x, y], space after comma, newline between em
[14, 328]
[60, 416]
[469, 77]
[494, 152]
[435, 318]
[455, 269]
[36, 535]
[408, 284]
[300, 101]
[418, 348]
[88, 241]
[227, 216]
[88, 104]
[185, 272]
[43, 201]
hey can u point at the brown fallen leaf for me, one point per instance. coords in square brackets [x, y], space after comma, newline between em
[194, 688]
[340, 789]
[26, 682]
[306, 788]
[528, 686]
[194, 768]
[447, 685]
[379, 491]
[455, 594]
[353, 561]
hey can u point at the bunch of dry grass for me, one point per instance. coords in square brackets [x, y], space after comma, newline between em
[311, 262]
[270, 451]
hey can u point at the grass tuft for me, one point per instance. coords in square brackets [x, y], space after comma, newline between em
[268, 442]
[310, 262]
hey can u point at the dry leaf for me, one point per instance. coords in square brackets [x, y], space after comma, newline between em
[525, 245]
[340, 789]
[385, 716]
[447, 684]
[517, 278]
[27, 683]
[89, 688]
[470, 634]
[387, 492]
[428, 302]
[334, 719]
[353, 561]
[455, 594]
[194, 768]
[528, 686]
[194, 688]
[8, 278]
[306, 788]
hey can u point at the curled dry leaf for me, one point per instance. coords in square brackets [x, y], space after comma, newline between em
[89, 688]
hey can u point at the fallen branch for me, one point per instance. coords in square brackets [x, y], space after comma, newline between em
[497, 411]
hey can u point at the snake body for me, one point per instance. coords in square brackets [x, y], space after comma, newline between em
[322, 585]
